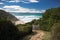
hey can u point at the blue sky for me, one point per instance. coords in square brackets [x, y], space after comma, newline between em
[28, 6]
[36, 4]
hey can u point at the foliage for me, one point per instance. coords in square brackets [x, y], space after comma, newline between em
[24, 29]
[56, 31]
[50, 17]
[7, 16]
[8, 31]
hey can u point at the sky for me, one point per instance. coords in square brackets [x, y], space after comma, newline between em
[28, 6]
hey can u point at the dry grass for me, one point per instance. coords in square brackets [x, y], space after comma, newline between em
[47, 36]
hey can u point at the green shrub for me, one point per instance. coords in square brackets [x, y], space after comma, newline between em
[50, 17]
[24, 29]
[8, 31]
[56, 31]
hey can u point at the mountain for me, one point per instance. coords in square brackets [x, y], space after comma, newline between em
[7, 16]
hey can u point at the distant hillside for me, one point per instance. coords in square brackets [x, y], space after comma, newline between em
[7, 16]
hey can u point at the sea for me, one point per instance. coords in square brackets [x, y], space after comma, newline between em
[27, 17]
[27, 14]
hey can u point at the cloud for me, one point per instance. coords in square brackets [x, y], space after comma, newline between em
[33, 0]
[19, 9]
[26, 19]
[14, 1]
[30, 1]
[1, 3]
[24, 1]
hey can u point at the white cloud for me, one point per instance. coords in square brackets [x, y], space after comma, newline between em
[33, 0]
[1, 3]
[19, 9]
[14, 1]
[30, 1]
[26, 19]
[24, 1]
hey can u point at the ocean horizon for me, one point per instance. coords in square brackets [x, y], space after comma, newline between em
[27, 17]
[27, 14]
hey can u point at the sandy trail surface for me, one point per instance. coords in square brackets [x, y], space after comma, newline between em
[38, 36]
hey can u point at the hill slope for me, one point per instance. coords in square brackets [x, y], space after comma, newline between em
[7, 16]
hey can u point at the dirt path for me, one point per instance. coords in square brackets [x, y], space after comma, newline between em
[38, 36]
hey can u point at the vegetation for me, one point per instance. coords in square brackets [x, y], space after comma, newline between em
[50, 21]
[50, 17]
[7, 16]
[56, 31]
[24, 29]
[47, 36]
[9, 31]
